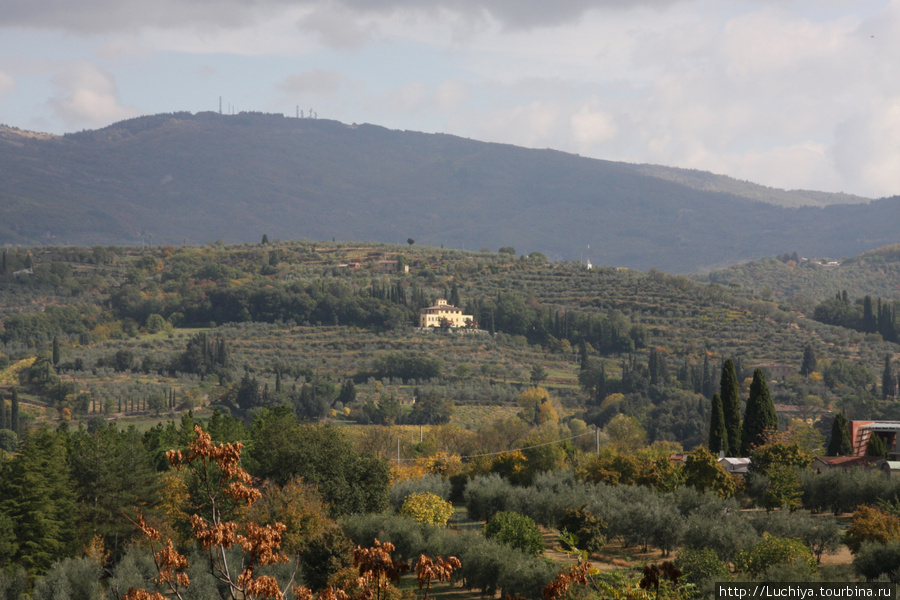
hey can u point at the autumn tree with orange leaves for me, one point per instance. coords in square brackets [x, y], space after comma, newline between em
[222, 483]
[223, 487]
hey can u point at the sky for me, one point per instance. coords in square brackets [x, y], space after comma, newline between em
[795, 94]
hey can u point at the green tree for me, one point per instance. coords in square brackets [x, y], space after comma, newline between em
[760, 414]
[155, 323]
[703, 471]
[283, 449]
[729, 391]
[538, 374]
[37, 494]
[876, 446]
[809, 361]
[55, 355]
[112, 472]
[347, 395]
[586, 527]
[718, 434]
[888, 380]
[840, 445]
[516, 531]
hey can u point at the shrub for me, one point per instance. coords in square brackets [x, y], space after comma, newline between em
[587, 528]
[774, 551]
[870, 524]
[516, 531]
[701, 567]
[427, 508]
[875, 559]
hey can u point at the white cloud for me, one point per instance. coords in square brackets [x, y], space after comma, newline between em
[87, 97]
[316, 82]
[866, 152]
[130, 15]
[7, 83]
[591, 127]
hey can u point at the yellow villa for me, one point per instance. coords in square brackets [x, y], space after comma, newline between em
[445, 313]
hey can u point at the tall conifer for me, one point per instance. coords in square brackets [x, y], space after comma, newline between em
[840, 445]
[729, 392]
[888, 381]
[14, 412]
[718, 435]
[760, 414]
[809, 361]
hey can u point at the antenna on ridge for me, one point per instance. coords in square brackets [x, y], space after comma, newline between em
[220, 105]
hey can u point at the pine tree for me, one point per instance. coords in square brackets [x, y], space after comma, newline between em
[840, 437]
[729, 392]
[809, 361]
[38, 496]
[760, 414]
[4, 423]
[718, 435]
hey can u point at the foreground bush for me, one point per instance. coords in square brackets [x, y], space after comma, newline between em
[427, 508]
[516, 531]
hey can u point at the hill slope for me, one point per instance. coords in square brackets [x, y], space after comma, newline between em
[193, 178]
[875, 273]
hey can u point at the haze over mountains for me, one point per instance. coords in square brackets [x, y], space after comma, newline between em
[197, 178]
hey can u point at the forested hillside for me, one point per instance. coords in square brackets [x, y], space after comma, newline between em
[792, 276]
[183, 178]
[559, 409]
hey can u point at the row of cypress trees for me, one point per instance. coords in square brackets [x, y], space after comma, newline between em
[727, 432]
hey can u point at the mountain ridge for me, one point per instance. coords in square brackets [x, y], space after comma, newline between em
[193, 178]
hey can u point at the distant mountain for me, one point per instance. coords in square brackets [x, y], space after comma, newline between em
[200, 177]
[710, 182]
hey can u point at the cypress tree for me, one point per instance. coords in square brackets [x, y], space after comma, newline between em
[869, 322]
[888, 381]
[718, 435]
[708, 383]
[729, 392]
[55, 350]
[840, 437]
[4, 424]
[14, 411]
[760, 414]
[809, 361]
